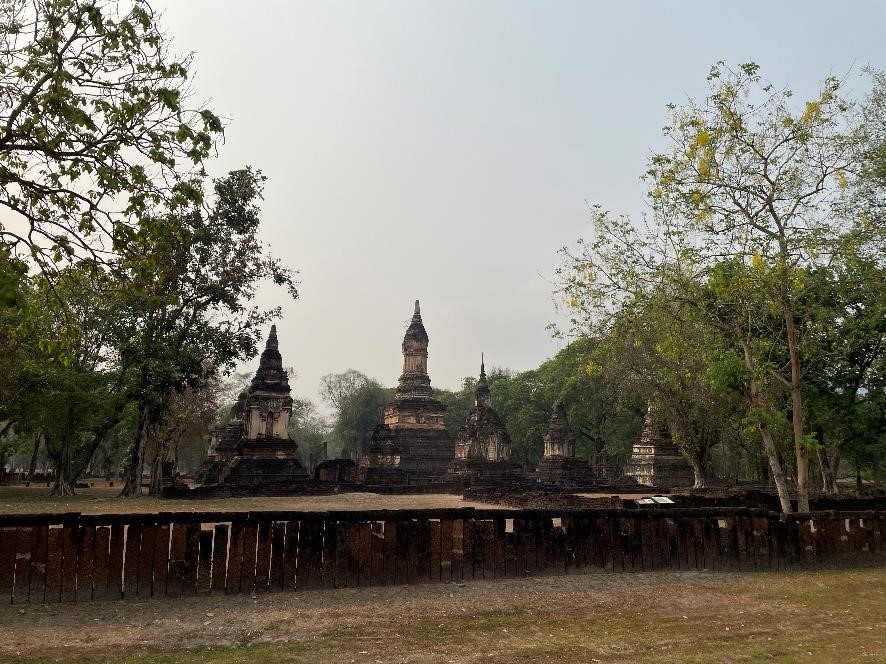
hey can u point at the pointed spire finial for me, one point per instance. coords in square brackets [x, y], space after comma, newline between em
[272, 338]
[482, 366]
[417, 311]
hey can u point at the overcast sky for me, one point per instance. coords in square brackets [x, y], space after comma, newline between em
[444, 151]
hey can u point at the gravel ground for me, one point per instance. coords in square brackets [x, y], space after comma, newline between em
[658, 617]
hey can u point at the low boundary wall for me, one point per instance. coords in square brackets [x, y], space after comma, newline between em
[75, 557]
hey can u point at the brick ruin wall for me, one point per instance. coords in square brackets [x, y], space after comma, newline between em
[76, 558]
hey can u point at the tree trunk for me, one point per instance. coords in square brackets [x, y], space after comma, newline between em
[828, 471]
[132, 487]
[768, 440]
[32, 468]
[698, 473]
[63, 485]
[797, 415]
[156, 487]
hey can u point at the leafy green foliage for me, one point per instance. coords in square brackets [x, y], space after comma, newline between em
[96, 129]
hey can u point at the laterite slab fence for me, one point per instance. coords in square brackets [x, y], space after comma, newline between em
[77, 558]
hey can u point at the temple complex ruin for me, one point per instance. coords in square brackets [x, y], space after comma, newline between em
[264, 454]
[413, 440]
[655, 459]
[559, 465]
[483, 446]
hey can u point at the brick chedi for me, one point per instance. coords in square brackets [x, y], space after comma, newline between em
[223, 442]
[266, 454]
[559, 465]
[483, 446]
[380, 463]
[413, 432]
[655, 459]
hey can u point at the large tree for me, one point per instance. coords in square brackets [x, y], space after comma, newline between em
[96, 127]
[359, 403]
[187, 312]
[747, 200]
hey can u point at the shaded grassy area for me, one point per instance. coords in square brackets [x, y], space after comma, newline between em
[670, 617]
[103, 499]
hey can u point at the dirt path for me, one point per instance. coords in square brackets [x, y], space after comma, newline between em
[665, 617]
[104, 500]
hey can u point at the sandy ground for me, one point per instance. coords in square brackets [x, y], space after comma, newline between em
[664, 617]
[104, 500]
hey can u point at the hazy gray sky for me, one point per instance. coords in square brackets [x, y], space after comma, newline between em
[445, 150]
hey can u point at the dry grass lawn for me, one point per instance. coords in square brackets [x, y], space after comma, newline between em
[832, 616]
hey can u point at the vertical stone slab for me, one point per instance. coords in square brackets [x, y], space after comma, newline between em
[219, 557]
[53, 567]
[631, 536]
[263, 557]
[477, 545]
[662, 550]
[446, 550]
[555, 558]
[204, 566]
[178, 547]
[290, 556]
[605, 542]
[278, 543]
[424, 569]
[412, 566]
[130, 560]
[23, 541]
[145, 582]
[647, 536]
[488, 549]
[364, 554]
[115, 564]
[434, 526]
[377, 554]
[522, 545]
[85, 563]
[390, 543]
[39, 553]
[698, 543]
[763, 549]
[727, 560]
[247, 565]
[235, 558]
[354, 546]
[568, 525]
[330, 553]
[507, 551]
[541, 533]
[580, 528]
[309, 570]
[342, 554]
[161, 559]
[710, 541]
[458, 553]
[69, 563]
[7, 564]
[102, 562]
[468, 568]
[778, 540]
[623, 537]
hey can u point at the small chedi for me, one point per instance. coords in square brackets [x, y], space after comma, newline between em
[559, 464]
[412, 444]
[223, 442]
[264, 455]
[380, 463]
[655, 459]
[483, 446]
